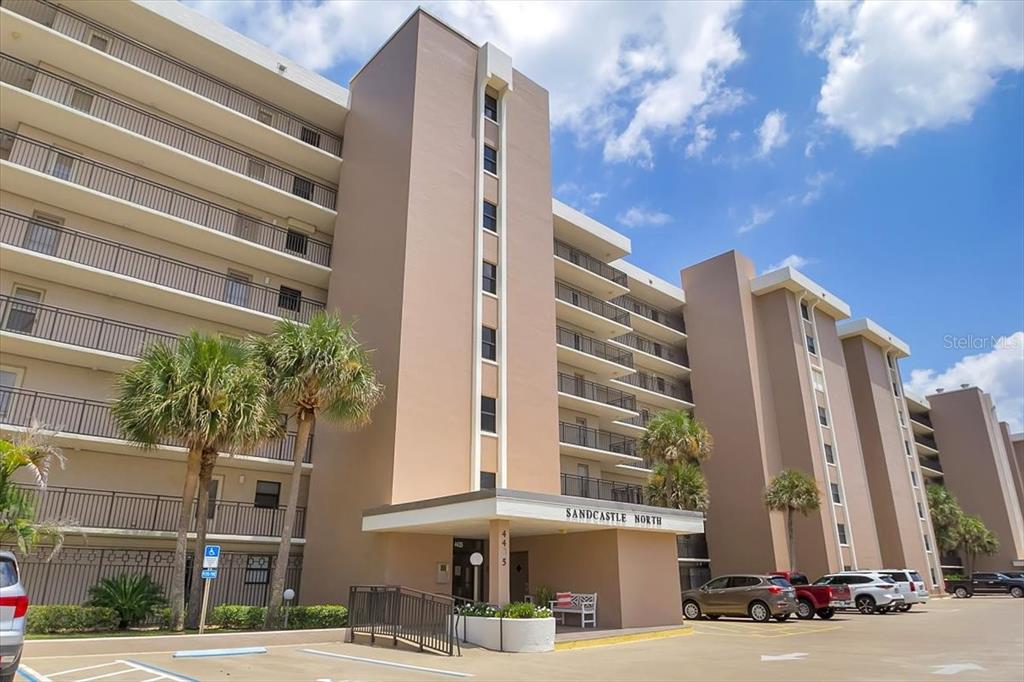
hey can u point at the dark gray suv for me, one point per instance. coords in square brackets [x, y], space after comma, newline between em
[761, 597]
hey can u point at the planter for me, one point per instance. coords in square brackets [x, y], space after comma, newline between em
[514, 635]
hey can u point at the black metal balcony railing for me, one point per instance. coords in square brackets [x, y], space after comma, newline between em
[567, 383]
[87, 508]
[927, 441]
[672, 320]
[921, 419]
[601, 489]
[583, 300]
[124, 115]
[584, 436]
[931, 462]
[77, 329]
[642, 419]
[67, 414]
[664, 351]
[588, 262]
[80, 170]
[590, 346]
[657, 384]
[77, 247]
[162, 65]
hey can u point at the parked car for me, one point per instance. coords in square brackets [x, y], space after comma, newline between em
[909, 583]
[814, 599]
[761, 597]
[870, 592]
[1016, 575]
[986, 583]
[13, 606]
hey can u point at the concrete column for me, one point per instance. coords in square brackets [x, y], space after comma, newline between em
[498, 561]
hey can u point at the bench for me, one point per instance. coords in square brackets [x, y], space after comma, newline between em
[583, 604]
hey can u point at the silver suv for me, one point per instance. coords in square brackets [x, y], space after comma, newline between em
[909, 583]
[870, 591]
[13, 606]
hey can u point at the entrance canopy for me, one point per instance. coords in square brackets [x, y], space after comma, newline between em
[469, 515]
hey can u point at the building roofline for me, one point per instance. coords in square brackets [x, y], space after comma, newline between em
[875, 333]
[797, 282]
[669, 294]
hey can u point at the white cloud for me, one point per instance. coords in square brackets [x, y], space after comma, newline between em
[735, 135]
[998, 371]
[758, 216]
[638, 216]
[772, 133]
[595, 198]
[815, 186]
[791, 261]
[898, 67]
[702, 137]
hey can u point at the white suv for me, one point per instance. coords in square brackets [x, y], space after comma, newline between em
[870, 591]
[909, 583]
[13, 606]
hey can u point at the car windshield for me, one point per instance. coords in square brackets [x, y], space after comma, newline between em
[886, 579]
[8, 572]
[798, 579]
[917, 577]
[823, 580]
[780, 581]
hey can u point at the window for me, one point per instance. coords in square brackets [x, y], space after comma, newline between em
[490, 217]
[296, 242]
[830, 455]
[81, 100]
[491, 108]
[257, 170]
[906, 446]
[63, 165]
[888, 358]
[268, 494]
[488, 414]
[717, 584]
[490, 343]
[810, 345]
[42, 234]
[818, 379]
[927, 544]
[920, 511]
[583, 470]
[8, 381]
[310, 136]
[257, 569]
[913, 477]
[488, 480]
[21, 317]
[99, 42]
[805, 312]
[265, 117]
[302, 187]
[841, 530]
[743, 581]
[657, 349]
[895, 389]
[8, 572]
[490, 159]
[289, 299]
[836, 497]
[490, 281]
[236, 288]
[211, 508]
[822, 416]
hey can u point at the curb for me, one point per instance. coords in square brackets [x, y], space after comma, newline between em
[623, 639]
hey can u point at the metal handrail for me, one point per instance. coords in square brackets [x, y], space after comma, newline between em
[78, 247]
[160, 64]
[927, 441]
[921, 419]
[402, 614]
[602, 489]
[653, 313]
[661, 350]
[65, 91]
[658, 384]
[85, 417]
[81, 170]
[588, 262]
[589, 390]
[583, 300]
[584, 436]
[585, 344]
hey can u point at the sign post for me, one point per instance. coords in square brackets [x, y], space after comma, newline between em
[211, 558]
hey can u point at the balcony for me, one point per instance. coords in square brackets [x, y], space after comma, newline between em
[653, 322]
[602, 401]
[179, 148]
[145, 514]
[584, 442]
[81, 171]
[603, 359]
[163, 66]
[660, 391]
[931, 467]
[926, 443]
[582, 270]
[92, 419]
[655, 355]
[601, 489]
[154, 276]
[587, 312]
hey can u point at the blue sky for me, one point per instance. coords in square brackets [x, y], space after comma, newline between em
[880, 148]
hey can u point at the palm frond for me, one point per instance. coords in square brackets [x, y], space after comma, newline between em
[792, 490]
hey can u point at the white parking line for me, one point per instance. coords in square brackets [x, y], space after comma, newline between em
[32, 675]
[88, 667]
[113, 674]
[375, 661]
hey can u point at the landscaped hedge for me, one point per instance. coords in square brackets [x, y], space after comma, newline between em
[58, 618]
[235, 617]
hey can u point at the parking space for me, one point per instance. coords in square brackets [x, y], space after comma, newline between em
[116, 670]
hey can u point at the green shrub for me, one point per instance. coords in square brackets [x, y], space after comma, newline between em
[135, 597]
[318, 616]
[60, 618]
[237, 617]
[545, 595]
[523, 609]
[478, 609]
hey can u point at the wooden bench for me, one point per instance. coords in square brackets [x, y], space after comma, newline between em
[569, 602]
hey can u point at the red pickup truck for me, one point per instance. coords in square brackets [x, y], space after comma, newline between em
[814, 599]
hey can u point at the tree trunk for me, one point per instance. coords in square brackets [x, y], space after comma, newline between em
[188, 494]
[792, 539]
[306, 421]
[195, 594]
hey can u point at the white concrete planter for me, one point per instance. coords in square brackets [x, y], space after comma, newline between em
[515, 635]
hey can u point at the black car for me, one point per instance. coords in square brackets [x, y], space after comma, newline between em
[986, 583]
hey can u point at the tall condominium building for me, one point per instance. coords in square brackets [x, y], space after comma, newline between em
[1016, 452]
[895, 479]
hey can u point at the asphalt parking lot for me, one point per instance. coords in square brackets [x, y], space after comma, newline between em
[976, 639]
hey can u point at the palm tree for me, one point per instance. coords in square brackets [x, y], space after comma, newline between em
[976, 539]
[316, 369]
[675, 435]
[792, 491]
[203, 393]
[33, 452]
[677, 485]
[947, 517]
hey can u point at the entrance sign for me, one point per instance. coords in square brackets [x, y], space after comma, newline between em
[626, 519]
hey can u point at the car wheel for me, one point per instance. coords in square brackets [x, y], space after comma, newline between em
[961, 592]
[1017, 592]
[825, 614]
[903, 608]
[759, 612]
[713, 616]
[804, 609]
[691, 610]
[865, 603]
[782, 618]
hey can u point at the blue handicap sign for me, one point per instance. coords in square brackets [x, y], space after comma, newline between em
[209, 573]
[213, 550]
